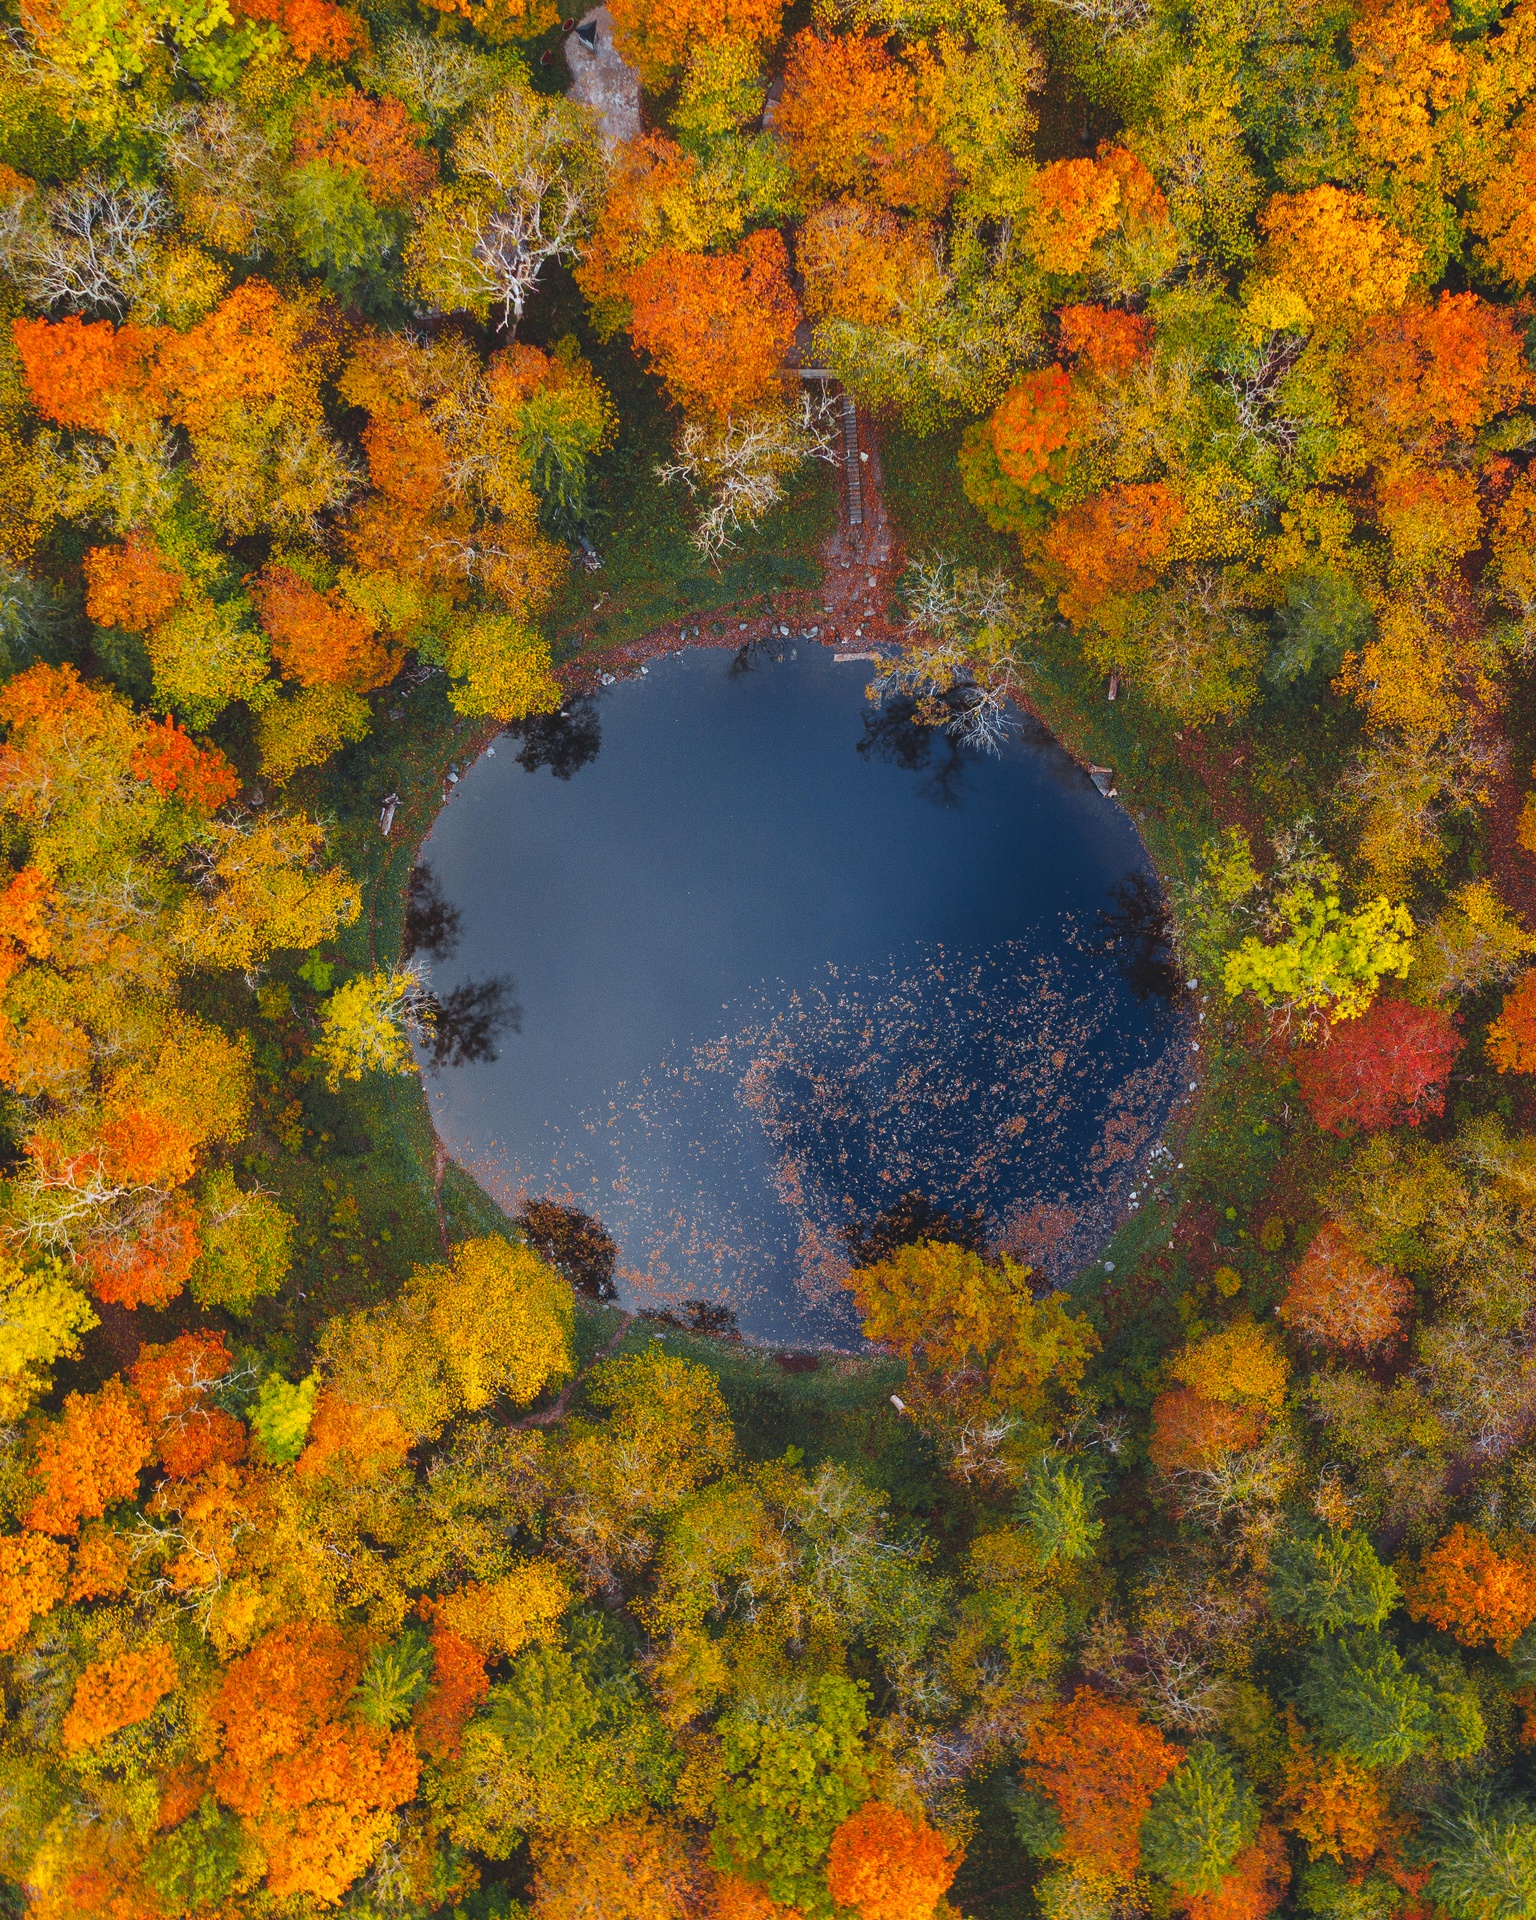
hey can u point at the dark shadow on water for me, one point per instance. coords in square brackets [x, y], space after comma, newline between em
[894, 734]
[912, 1220]
[767, 651]
[470, 1021]
[1137, 934]
[431, 925]
[696, 1316]
[575, 1244]
[564, 742]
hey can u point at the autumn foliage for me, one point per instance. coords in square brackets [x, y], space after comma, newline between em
[319, 1791]
[320, 639]
[32, 1582]
[1340, 1298]
[459, 1683]
[1034, 423]
[853, 122]
[171, 762]
[175, 1382]
[1468, 1587]
[1104, 339]
[716, 326]
[90, 1460]
[636, 1869]
[1387, 1068]
[1100, 1764]
[83, 373]
[376, 138]
[1191, 1431]
[132, 586]
[1075, 206]
[1113, 543]
[1334, 1803]
[1344, 261]
[1258, 1882]
[657, 34]
[315, 29]
[888, 1866]
[115, 1693]
[1511, 1039]
[357, 1440]
[1427, 372]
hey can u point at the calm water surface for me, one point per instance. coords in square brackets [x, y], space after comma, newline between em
[753, 961]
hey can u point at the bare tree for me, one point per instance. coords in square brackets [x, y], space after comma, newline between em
[960, 663]
[740, 468]
[84, 247]
[1110, 17]
[531, 176]
[224, 174]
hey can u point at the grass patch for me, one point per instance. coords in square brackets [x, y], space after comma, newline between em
[651, 573]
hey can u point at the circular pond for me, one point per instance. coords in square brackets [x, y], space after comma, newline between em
[736, 963]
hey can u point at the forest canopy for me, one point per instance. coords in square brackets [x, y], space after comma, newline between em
[359, 1553]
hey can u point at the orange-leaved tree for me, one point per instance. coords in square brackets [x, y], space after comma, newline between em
[1112, 544]
[1106, 216]
[459, 1683]
[86, 373]
[1099, 1763]
[640, 1868]
[1105, 340]
[716, 326]
[320, 639]
[1468, 1587]
[1337, 1804]
[88, 1460]
[175, 1382]
[376, 138]
[1258, 1881]
[116, 1693]
[133, 586]
[656, 36]
[33, 1580]
[1038, 426]
[853, 121]
[318, 1790]
[1328, 249]
[1425, 375]
[1511, 1042]
[1342, 1299]
[888, 1865]
[314, 29]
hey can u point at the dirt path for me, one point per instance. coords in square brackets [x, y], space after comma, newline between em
[551, 1416]
[863, 563]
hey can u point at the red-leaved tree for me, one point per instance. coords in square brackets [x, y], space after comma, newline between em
[1386, 1067]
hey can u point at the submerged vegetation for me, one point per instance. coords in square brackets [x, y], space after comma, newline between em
[358, 1553]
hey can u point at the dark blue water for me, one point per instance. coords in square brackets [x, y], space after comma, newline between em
[755, 961]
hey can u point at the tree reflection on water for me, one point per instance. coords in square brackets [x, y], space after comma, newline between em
[470, 1021]
[565, 742]
[1136, 932]
[894, 734]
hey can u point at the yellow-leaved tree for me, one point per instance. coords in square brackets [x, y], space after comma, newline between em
[988, 1359]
